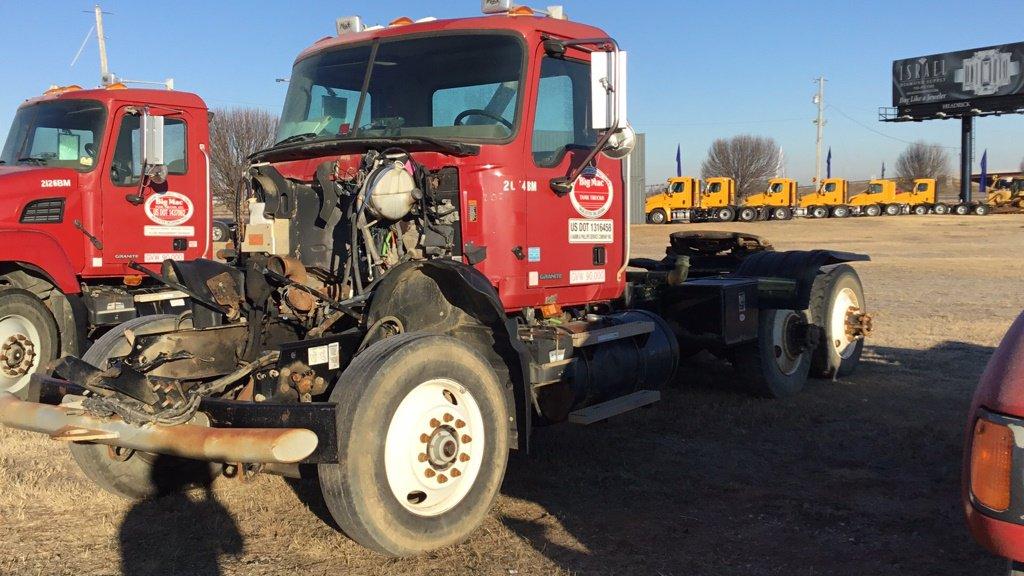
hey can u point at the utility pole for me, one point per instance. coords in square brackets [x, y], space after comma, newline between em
[819, 99]
[102, 40]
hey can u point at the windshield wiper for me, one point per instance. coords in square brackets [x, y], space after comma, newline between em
[33, 160]
[349, 144]
[297, 138]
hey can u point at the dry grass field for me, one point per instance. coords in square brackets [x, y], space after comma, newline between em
[859, 476]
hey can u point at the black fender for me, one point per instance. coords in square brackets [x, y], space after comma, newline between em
[801, 266]
[449, 297]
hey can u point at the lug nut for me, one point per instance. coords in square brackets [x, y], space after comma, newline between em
[466, 439]
[448, 417]
[455, 473]
[441, 479]
[463, 457]
[424, 438]
[429, 473]
[422, 457]
[459, 424]
[434, 423]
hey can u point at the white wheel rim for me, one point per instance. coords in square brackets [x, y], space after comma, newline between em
[19, 352]
[434, 447]
[841, 308]
[787, 359]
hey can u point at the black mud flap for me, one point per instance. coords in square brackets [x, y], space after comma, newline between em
[799, 267]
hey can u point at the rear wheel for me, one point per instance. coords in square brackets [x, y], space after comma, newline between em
[982, 209]
[726, 214]
[873, 210]
[657, 216]
[962, 209]
[28, 338]
[775, 366]
[941, 209]
[840, 212]
[782, 213]
[128, 473]
[819, 212]
[893, 209]
[422, 444]
[747, 214]
[920, 209]
[837, 301]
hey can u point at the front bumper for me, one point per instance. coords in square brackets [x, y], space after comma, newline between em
[222, 430]
[1001, 532]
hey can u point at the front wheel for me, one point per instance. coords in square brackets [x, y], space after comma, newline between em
[28, 338]
[128, 473]
[423, 439]
[782, 213]
[873, 210]
[819, 212]
[657, 217]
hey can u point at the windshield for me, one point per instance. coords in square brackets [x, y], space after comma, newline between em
[63, 133]
[454, 87]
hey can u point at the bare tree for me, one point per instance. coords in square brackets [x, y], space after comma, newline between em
[749, 160]
[235, 133]
[922, 160]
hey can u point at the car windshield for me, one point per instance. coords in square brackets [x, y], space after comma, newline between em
[63, 133]
[451, 87]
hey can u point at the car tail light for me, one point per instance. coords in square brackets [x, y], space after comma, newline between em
[991, 464]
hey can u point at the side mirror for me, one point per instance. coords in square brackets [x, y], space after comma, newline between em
[608, 90]
[151, 139]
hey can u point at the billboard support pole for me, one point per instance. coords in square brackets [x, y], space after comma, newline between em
[966, 156]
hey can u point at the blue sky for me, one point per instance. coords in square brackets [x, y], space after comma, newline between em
[698, 70]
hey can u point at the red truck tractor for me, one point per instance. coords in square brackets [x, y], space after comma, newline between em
[993, 497]
[79, 217]
[433, 261]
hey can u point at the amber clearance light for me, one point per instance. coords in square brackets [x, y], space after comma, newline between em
[991, 464]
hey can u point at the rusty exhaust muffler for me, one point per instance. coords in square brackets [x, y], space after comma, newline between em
[195, 441]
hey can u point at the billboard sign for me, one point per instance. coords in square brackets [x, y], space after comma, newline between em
[987, 79]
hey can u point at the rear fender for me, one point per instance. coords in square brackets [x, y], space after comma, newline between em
[799, 266]
[448, 297]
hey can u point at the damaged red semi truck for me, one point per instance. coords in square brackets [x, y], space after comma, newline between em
[433, 261]
[76, 210]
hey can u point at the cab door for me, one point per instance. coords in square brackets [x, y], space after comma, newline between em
[168, 222]
[575, 243]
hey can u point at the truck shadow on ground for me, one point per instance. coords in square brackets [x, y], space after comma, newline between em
[179, 531]
[856, 476]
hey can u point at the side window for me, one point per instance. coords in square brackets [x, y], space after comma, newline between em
[563, 101]
[126, 167]
[677, 187]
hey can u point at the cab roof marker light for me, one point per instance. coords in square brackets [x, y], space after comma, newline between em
[349, 25]
[427, 19]
[400, 21]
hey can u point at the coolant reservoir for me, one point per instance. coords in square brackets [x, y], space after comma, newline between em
[390, 192]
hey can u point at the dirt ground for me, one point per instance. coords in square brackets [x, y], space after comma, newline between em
[859, 476]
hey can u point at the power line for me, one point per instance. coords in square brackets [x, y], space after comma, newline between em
[878, 132]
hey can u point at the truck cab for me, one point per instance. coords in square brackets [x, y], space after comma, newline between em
[682, 193]
[873, 199]
[777, 200]
[81, 205]
[718, 192]
[832, 192]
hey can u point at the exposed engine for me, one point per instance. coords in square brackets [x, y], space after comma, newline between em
[336, 235]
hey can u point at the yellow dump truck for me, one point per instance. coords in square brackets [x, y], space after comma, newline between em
[822, 202]
[676, 203]
[775, 203]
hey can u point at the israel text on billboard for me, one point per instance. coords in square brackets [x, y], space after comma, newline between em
[988, 79]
